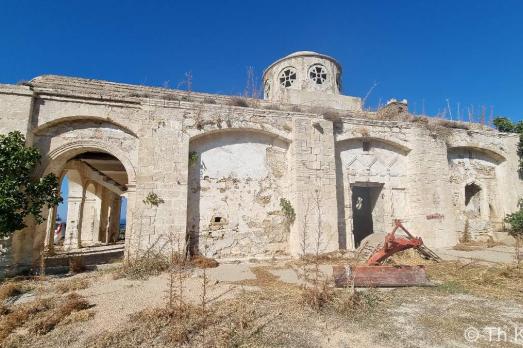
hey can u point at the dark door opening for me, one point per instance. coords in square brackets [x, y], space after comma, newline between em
[363, 202]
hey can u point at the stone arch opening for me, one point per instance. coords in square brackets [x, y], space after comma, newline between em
[94, 186]
[79, 122]
[474, 180]
[370, 173]
[236, 180]
[473, 199]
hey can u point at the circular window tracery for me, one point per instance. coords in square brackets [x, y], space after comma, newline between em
[288, 77]
[318, 74]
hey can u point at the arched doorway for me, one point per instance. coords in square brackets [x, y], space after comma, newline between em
[94, 186]
[371, 178]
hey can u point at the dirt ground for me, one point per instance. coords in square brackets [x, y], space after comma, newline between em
[264, 305]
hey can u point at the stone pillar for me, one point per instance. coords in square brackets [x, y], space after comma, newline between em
[431, 215]
[107, 197]
[110, 221]
[114, 220]
[315, 188]
[163, 156]
[130, 218]
[75, 201]
[91, 213]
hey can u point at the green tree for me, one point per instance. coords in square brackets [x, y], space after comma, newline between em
[22, 195]
[503, 124]
[518, 127]
[516, 227]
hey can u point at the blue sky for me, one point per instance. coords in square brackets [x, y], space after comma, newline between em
[469, 52]
[466, 52]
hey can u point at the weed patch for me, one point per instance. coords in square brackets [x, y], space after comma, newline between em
[11, 289]
[72, 303]
[65, 286]
[144, 267]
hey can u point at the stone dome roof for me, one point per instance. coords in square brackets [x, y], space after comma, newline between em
[304, 54]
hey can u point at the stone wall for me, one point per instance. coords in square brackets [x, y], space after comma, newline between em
[235, 186]
[221, 168]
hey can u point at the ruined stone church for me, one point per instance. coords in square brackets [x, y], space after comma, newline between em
[303, 168]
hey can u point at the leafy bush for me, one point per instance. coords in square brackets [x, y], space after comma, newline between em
[288, 210]
[503, 124]
[153, 199]
[193, 158]
[516, 227]
[516, 221]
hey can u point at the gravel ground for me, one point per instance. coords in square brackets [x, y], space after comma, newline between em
[265, 295]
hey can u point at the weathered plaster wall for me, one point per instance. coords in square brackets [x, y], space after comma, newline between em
[235, 187]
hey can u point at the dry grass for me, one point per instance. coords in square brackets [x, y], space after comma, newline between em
[334, 257]
[274, 316]
[72, 303]
[272, 107]
[502, 282]
[155, 264]
[264, 278]
[77, 264]
[209, 100]
[319, 295]
[19, 315]
[144, 267]
[201, 261]
[408, 257]
[70, 285]
[354, 303]
[164, 327]
[40, 316]
[495, 281]
[239, 101]
[170, 97]
[476, 244]
[10, 289]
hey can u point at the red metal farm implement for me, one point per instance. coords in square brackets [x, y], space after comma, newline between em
[374, 274]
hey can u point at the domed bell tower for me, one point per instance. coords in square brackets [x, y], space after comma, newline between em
[307, 78]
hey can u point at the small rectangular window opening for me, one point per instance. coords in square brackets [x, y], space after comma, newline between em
[366, 146]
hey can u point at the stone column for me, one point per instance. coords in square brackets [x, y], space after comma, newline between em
[131, 222]
[110, 222]
[105, 212]
[315, 187]
[432, 216]
[75, 201]
[113, 229]
[163, 161]
[91, 213]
